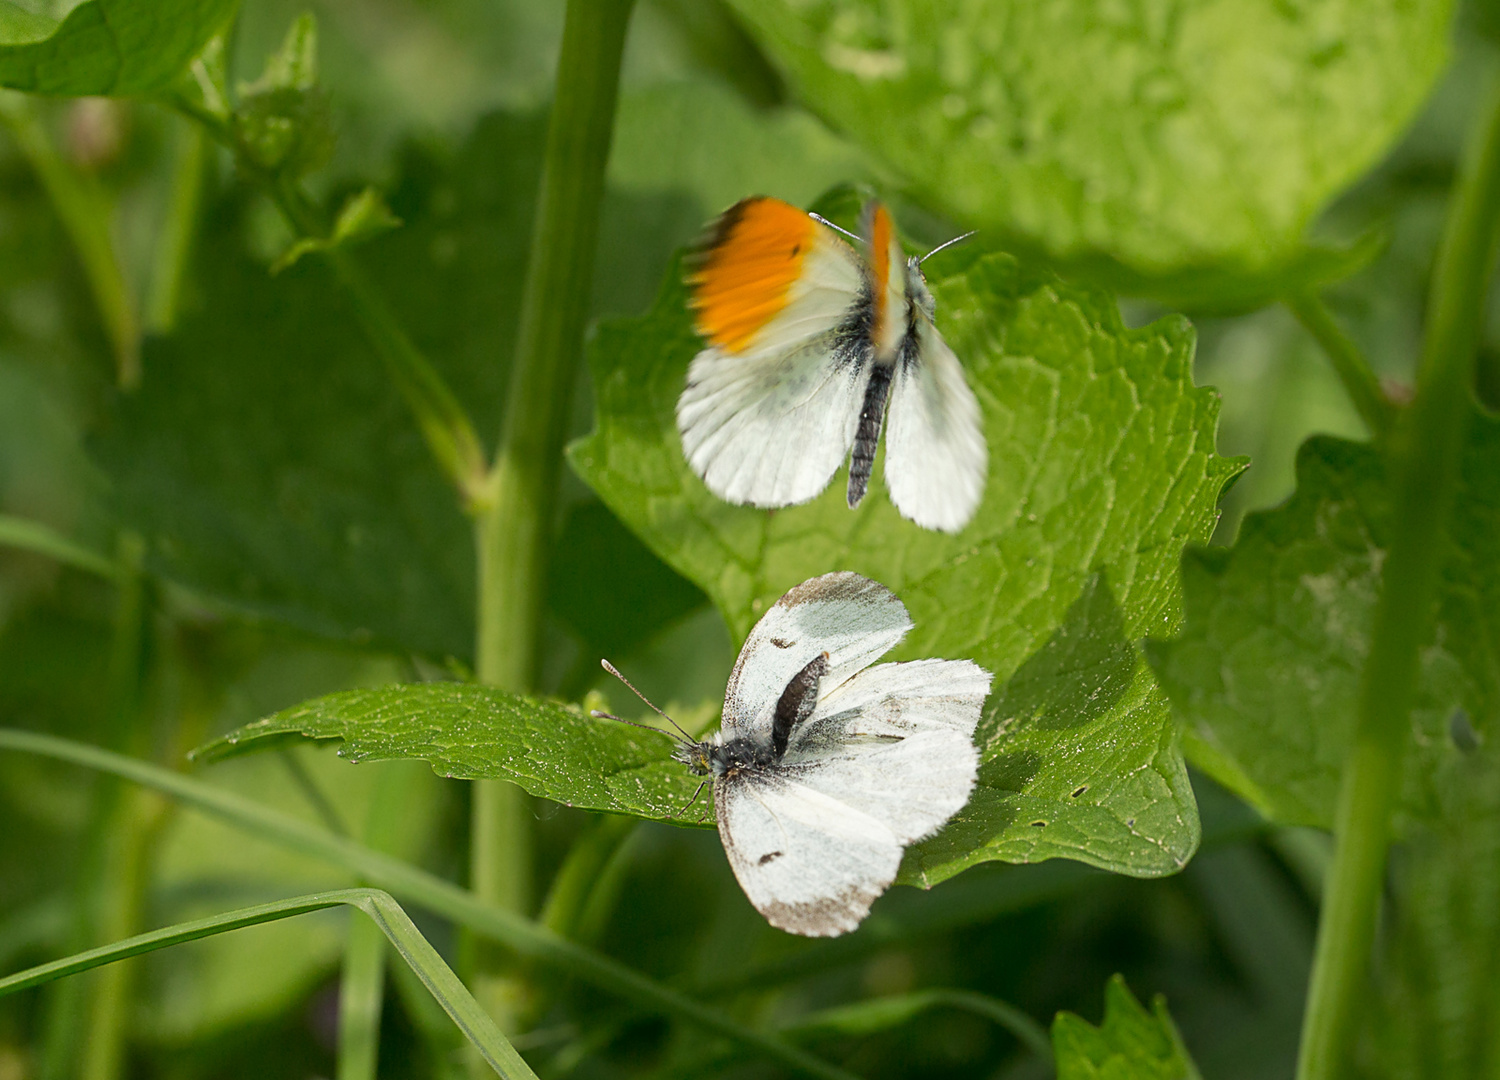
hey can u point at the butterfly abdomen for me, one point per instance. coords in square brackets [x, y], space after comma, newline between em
[867, 435]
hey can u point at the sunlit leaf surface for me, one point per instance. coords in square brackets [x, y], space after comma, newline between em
[1168, 136]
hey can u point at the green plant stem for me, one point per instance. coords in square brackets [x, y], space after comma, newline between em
[362, 986]
[512, 531]
[417, 886]
[174, 250]
[83, 208]
[576, 879]
[444, 424]
[386, 916]
[1425, 460]
[1353, 370]
[44, 540]
[880, 1014]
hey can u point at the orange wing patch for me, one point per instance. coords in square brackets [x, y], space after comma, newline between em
[742, 280]
[879, 228]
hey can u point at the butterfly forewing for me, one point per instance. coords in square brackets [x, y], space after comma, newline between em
[855, 620]
[772, 402]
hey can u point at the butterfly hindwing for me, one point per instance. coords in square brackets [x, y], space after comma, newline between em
[810, 864]
[935, 454]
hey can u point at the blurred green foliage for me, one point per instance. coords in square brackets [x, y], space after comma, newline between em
[1132, 163]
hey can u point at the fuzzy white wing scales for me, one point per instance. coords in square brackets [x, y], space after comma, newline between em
[936, 460]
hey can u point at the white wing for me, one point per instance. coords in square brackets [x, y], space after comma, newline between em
[935, 455]
[768, 425]
[885, 760]
[853, 619]
[895, 742]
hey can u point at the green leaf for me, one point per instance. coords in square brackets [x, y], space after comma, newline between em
[1131, 1044]
[472, 732]
[1102, 469]
[363, 216]
[20, 27]
[1265, 672]
[1180, 136]
[114, 48]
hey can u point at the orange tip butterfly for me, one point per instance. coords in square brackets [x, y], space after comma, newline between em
[813, 345]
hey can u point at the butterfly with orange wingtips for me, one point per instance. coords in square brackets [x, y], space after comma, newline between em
[808, 340]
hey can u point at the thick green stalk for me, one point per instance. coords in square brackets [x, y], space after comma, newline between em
[84, 211]
[1425, 459]
[386, 917]
[513, 530]
[419, 887]
[1353, 370]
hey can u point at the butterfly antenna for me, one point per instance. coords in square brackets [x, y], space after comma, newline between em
[611, 669]
[600, 714]
[838, 228]
[947, 244]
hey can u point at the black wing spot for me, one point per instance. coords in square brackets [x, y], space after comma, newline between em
[768, 856]
[1080, 790]
[782, 643]
[1039, 824]
[796, 250]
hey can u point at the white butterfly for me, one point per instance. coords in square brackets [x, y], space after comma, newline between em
[825, 768]
[807, 339]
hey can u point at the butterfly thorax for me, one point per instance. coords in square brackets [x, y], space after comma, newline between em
[763, 750]
[918, 295]
[719, 758]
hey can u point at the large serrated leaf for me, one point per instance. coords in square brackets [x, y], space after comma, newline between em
[1131, 1043]
[473, 732]
[116, 48]
[1265, 672]
[1171, 137]
[1102, 469]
